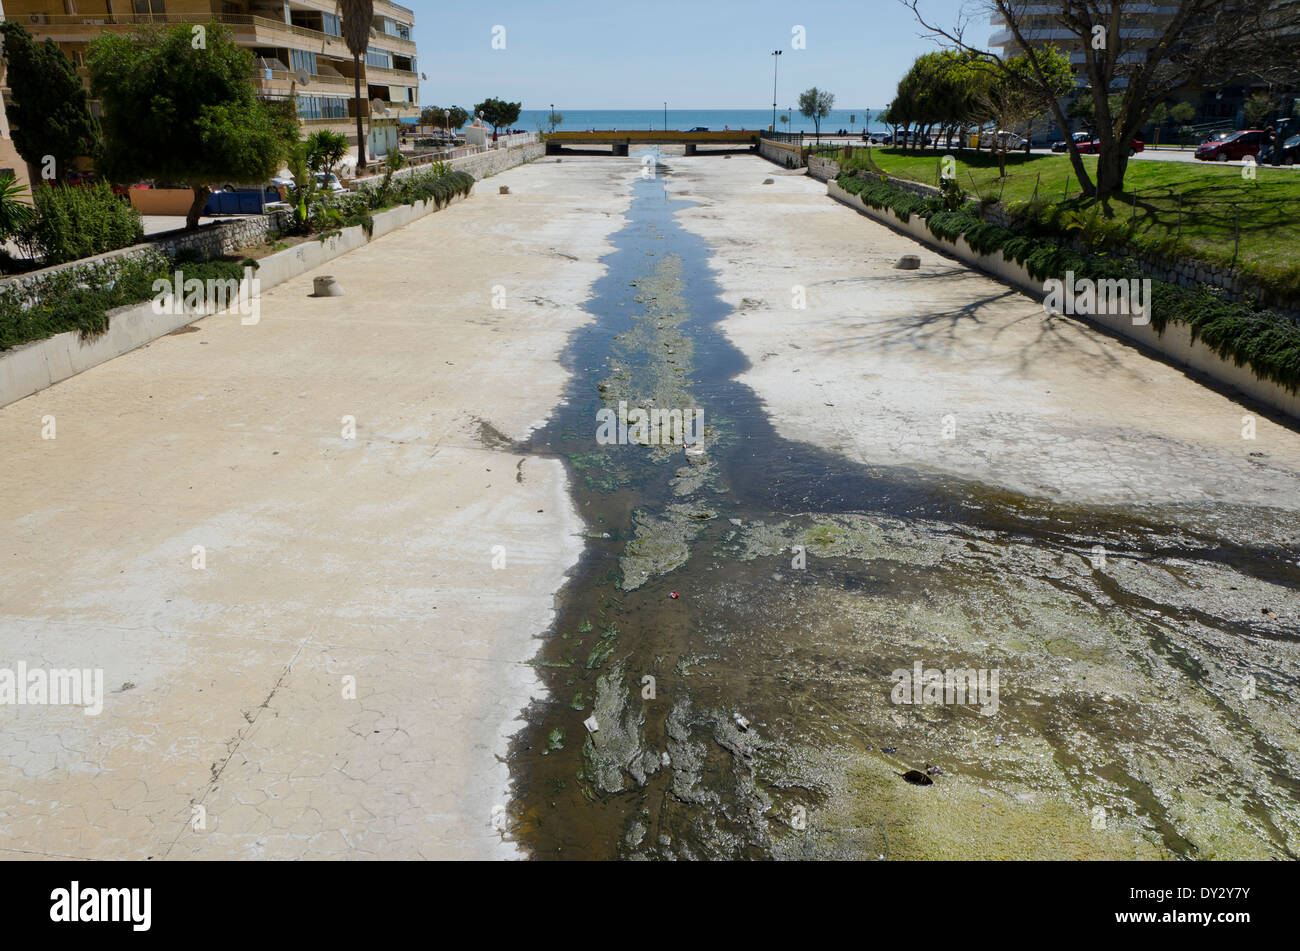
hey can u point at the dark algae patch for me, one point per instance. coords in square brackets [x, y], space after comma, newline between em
[734, 628]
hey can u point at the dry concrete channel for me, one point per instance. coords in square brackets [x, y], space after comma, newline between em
[316, 644]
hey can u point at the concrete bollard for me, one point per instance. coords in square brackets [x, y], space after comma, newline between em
[326, 286]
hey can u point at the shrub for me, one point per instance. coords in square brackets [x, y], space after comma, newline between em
[81, 298]
[79, 222]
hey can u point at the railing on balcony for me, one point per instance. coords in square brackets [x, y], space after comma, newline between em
[132, 20]
[317, 79]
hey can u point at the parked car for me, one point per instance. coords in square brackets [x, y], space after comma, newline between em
[1079, 139]
[1232, 149]
[1288, 153]
[700, 128]
[1011, 140]
[331, 185]
[1093, 146]
[1277, 152]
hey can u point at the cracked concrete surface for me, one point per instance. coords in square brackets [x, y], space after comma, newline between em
[326, 558]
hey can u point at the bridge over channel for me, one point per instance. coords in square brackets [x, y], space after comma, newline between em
[621, 139]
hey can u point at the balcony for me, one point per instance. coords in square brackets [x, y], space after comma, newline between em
[282, 82]
[1064, 36]
[248, 30]
[392, 77]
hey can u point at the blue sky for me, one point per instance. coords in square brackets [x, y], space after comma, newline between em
[696, 54]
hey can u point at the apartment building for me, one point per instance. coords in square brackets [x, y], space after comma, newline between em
[11, 162]
[1039, 25]
[298, 45]
[1143, 24]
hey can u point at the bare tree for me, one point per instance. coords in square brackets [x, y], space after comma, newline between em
[1201, 42]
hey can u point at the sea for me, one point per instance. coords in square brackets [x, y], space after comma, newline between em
[579, 120]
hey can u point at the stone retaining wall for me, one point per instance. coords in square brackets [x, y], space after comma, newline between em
[211, 240]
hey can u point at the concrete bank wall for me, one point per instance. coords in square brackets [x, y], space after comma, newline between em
[489, 163]
[787, 156]
[481, 164]
[1175, 343]
[33, 367]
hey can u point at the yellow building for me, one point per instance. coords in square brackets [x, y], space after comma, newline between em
[298, 44]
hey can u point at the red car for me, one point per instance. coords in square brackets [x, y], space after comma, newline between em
[1093, 147]
[1232, 149]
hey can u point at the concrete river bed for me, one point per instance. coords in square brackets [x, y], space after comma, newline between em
[746, 623]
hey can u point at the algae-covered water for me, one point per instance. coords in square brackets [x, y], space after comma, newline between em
[735, 628]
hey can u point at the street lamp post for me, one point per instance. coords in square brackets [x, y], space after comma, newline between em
[775, 60]
[665, 117]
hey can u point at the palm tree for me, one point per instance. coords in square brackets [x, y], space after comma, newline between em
[357, 15]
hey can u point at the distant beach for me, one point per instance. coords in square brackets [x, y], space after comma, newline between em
[577, 120]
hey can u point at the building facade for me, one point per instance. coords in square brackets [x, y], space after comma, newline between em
[1143, 25]
[298, 45]
[11, 162]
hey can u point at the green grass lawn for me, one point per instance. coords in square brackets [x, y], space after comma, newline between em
[1213, 199]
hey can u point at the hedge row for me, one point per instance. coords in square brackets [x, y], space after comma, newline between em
[437, 184]
[80, 298]
[1265, 341]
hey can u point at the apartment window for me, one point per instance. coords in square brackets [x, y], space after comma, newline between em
[302, 59]
[381, 58]
[322, 107]
[331, 24]
[149, 6]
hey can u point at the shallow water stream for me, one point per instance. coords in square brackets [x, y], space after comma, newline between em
[1145, 657]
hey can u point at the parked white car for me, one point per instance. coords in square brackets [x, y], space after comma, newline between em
[331, 185]
[1010, 140]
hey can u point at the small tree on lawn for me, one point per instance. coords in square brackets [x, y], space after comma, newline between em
[816, 104]
[177, 110]
[48, 106]
[1010, 100]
